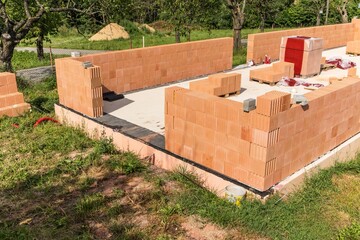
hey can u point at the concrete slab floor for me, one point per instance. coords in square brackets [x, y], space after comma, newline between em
[145, 108]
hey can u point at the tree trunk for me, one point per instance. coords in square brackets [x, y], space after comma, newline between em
[237, 39]
[40, 46]
[189, 35]
[177, 36]
[344, 16]
[262, 24]
[318, 19]
[343, 12]
[238, 17]
[6, 54]
[237, 32]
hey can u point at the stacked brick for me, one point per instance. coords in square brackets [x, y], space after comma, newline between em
[127, 70]
[305, 53]
[262, 44]
[353, 47]
[11, 101]
[79, 88]
[218, 84]
[268, 144]
[274, 73]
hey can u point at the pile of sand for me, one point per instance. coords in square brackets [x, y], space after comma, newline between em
[110, 32]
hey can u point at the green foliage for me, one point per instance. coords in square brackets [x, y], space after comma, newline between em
[130, 27]
[126, 162]
[185, 15]
[35, 94]
[131, 163]
[90, 203]
[351, 232]
[297, 15]
[25, 59]
[105, 146]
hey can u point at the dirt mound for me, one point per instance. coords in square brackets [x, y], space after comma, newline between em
[110, 32]
[147, 27]
[161, 26]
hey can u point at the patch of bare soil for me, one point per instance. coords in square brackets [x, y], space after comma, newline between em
[196, 228]
[99, 230]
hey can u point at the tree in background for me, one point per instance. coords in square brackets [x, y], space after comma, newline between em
[237, 8]
[260, 11]
[341, 7]
[184, 15]
[17, 18]
[318, 7]
[48, 24]
[297, 15]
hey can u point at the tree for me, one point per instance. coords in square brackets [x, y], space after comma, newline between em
[16, 24]
[184, 15]
[317, 7]
[341, 7]
[264, 10]
[48, 24]
[237, 8]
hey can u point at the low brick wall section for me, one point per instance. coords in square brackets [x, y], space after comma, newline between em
[11, 101]
[127, 70]
[79, 88]
[268, 43]
[268, 144]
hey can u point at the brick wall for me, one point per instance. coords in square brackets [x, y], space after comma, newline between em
[79, 88]
[269, 43]
[11, 101]
[264, 146]
[127, 70]
[133, 69]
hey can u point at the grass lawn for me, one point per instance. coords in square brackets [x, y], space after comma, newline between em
[25, 60]
[56, 183]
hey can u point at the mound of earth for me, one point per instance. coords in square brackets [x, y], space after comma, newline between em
[110, 32]
[147, 27]
[161, 26]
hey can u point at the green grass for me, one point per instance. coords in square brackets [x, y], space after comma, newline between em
[48, 172]
[323, 209]
[56, 183]
[25, 59]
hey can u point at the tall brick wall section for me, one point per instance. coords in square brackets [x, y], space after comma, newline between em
[79, 88]
[128, 70]
[264, 146]
[269, 43]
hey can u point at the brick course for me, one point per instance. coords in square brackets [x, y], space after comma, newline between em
[122, 71]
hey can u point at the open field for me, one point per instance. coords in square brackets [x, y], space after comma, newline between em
[56, 183]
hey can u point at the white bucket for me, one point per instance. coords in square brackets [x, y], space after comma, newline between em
[75, 54]
[235, 194]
